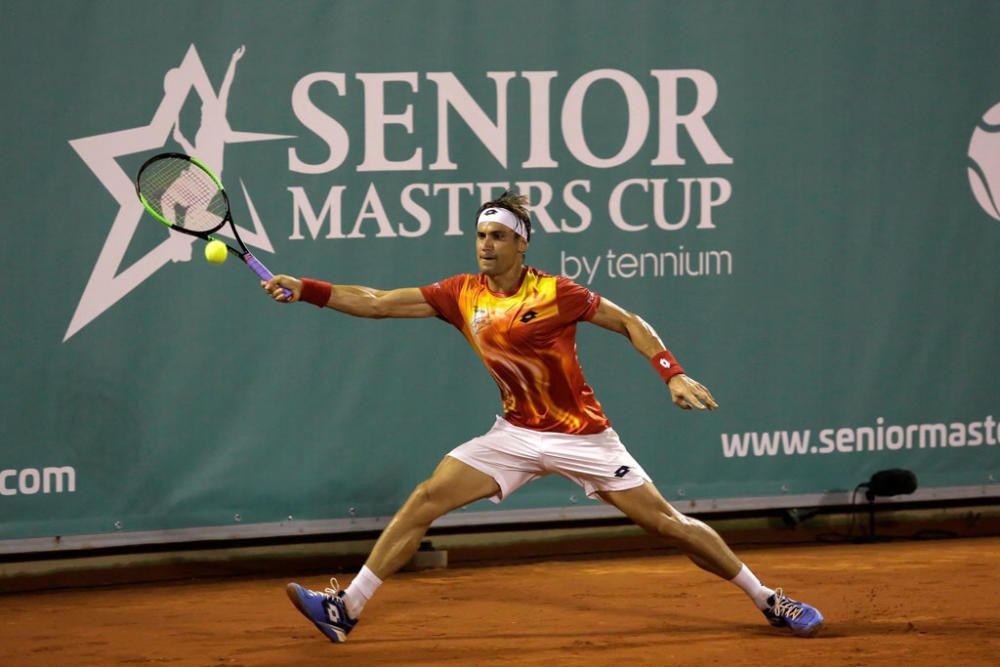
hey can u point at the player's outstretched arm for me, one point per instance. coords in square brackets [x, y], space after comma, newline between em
[351, 299]
[686, 392]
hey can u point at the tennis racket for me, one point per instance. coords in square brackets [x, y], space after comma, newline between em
[184, 194]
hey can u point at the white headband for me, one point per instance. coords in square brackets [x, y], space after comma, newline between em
[505, 218]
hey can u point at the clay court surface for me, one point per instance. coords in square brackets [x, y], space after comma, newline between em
[902, 603]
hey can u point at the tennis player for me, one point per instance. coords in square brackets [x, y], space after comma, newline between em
[522, 324]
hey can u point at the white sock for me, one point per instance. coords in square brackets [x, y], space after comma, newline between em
[752, 587]
[362, 588]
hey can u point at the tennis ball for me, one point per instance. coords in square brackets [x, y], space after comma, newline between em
[984, 162]
[215, 252]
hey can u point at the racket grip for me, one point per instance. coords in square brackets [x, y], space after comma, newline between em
[262, 271]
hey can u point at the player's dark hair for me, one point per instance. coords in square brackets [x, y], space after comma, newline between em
[515, 203]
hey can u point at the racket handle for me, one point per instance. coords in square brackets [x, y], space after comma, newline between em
[262, 271]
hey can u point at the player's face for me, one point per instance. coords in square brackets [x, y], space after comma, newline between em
[498, 249]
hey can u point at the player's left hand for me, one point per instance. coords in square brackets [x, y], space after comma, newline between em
[687, 393]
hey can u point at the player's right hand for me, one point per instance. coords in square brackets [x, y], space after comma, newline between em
[274, 288]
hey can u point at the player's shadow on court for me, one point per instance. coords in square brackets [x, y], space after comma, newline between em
[585, 637]
[667, 633]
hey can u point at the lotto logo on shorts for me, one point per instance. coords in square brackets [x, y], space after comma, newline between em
[621, 472]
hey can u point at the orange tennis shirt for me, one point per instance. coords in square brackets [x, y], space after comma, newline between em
[527, 340]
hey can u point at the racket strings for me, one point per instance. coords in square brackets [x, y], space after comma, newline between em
[184, 194]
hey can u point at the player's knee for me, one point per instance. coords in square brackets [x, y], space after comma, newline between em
[423, 502]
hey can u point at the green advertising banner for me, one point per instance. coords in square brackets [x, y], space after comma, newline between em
[802, 198]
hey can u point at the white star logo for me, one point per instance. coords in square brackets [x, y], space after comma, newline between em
[109, 282]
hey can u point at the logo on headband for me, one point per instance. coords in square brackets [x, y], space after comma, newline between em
[490, 211]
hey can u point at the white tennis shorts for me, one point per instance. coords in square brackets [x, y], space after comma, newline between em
[514, 456]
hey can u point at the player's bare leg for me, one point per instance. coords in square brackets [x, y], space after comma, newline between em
[453, 484]
[698, 541]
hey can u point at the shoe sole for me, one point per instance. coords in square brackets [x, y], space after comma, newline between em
[294, 594]
[811, 632]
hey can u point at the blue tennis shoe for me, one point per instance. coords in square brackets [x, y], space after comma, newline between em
[326, 610]
[784, 612]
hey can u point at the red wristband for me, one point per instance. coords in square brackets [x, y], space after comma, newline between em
[316, 292]
[665, 364]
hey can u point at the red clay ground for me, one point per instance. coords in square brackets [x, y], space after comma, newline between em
[903, 603]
